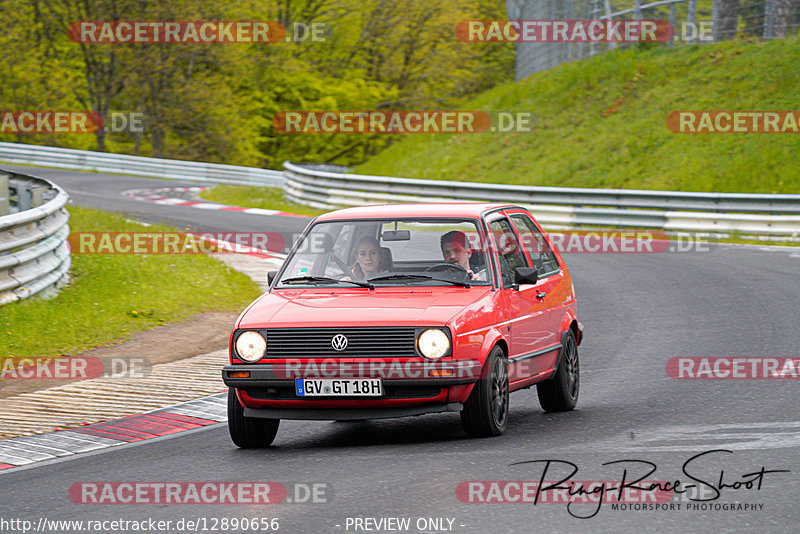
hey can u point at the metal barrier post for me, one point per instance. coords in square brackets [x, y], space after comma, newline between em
[4, 204]
[594, 16]
[23, 195]
[691, 18]
[673, 19]
[769, 19]
[607, 16]
[715, 21]
[37, 194]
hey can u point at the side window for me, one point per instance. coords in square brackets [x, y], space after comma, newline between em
[509, 253]
[541, 254]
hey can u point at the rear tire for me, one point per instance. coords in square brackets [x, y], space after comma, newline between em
[249, 432]
[485, 413]
[560, 393]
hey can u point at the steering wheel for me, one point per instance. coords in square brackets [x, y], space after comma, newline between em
[447, 267]
[339, 263]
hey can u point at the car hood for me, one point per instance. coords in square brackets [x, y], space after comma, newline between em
[417, 306]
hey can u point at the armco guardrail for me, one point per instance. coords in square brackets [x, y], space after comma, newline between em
[327, 186]
[323, 187]
[34, 253]
[85, 160]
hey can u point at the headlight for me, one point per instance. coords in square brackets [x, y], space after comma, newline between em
[251, 346]
[433, 343]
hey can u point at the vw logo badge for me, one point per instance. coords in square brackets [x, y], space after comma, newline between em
[339, 342]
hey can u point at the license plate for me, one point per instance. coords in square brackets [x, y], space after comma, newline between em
[338, 387]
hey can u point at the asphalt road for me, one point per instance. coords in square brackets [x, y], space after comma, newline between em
[639, 311]
[104, 191]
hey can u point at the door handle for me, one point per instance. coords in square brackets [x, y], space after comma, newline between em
[541, 295]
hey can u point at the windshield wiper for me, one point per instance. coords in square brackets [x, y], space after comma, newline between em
[418, 277]
[402, 277]
[322, 279]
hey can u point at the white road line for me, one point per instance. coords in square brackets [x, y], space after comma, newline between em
[731, 436]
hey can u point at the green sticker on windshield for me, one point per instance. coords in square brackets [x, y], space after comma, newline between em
[301, 272]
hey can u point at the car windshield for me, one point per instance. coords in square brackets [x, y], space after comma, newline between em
[389, 252]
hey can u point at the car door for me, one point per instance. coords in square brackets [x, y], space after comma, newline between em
[530, 333]
[552, 280]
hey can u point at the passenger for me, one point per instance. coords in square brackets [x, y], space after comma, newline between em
[368, 259]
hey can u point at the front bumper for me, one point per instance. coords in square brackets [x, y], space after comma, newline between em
[266, 375]
[268, 390]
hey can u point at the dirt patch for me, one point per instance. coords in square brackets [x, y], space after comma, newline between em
[204, 333]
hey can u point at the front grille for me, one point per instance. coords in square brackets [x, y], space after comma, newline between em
[361, 342]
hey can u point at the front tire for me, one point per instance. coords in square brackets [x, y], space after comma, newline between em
[249, 432]
[560, 393]
[485, 413]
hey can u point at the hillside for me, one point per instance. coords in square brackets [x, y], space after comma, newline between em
[603, 123]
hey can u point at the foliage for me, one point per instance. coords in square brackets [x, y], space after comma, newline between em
[216, 102]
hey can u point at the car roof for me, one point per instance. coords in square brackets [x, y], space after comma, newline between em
[444, 209]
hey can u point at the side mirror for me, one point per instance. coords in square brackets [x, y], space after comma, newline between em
[271, 277]
[525, 275]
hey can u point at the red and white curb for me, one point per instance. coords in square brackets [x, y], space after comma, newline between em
[26, 450]
[236, 248]
[158, 196]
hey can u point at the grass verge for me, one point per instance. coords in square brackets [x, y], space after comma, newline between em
[112, 296]
[602, 123]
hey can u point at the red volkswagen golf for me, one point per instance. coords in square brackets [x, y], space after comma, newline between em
[399, 310]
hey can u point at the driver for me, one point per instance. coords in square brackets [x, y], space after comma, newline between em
[456, 251]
